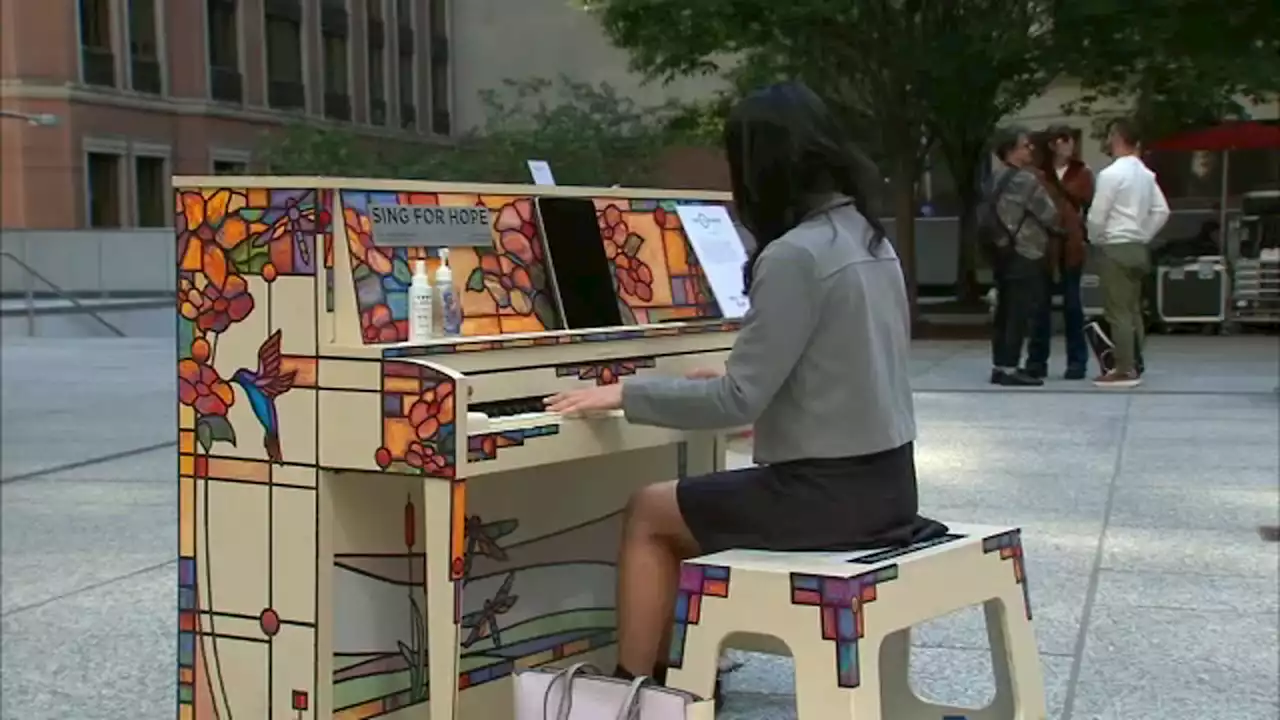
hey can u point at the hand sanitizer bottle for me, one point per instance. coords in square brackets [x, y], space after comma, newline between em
[420, 304]
[446, 299]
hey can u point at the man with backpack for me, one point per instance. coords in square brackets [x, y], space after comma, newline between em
[1014, 225]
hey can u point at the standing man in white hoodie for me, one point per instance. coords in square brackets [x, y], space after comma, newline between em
[1128, 210]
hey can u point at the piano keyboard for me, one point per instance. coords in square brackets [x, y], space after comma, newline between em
[519, 413]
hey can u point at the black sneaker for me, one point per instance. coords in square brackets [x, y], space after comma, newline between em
[1016, 378]
[1075, 372]
[1036, 370]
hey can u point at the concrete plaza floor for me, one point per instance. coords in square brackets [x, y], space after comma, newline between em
[1154, 597]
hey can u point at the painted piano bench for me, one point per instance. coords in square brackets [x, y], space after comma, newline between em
[846, 618]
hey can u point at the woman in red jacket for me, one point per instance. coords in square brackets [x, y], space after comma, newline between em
[1070, 184]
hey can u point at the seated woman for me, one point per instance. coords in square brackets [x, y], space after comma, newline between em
[820, 368]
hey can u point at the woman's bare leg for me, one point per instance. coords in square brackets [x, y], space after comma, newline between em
[654, 541]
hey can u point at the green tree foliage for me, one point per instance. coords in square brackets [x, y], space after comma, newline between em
[1175, 64]
[589, 134]
[903, 74]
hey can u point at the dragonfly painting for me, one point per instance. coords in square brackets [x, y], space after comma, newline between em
[484, 622]
[482, 540]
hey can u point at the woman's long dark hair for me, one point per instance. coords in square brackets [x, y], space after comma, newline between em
[1042, 155]
[787, 154]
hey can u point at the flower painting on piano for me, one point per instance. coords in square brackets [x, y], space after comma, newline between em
[418, 426]
[503, 289]
[655, 270]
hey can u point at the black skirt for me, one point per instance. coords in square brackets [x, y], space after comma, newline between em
[853, 503]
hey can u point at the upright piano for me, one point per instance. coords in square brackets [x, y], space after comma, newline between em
[376, 528]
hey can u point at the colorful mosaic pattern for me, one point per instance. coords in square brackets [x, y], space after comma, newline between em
[656, 271]
[418, 428]
[843, 602]
[368, 687]
[486, 447]
[248, 404]
[541, 655]
[326, 204]
[695, 582]
[1009, 545]
[604, 336]
[505, 289]
[606, 373]
[236, 249]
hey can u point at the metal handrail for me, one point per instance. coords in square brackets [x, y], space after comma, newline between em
[30, 295]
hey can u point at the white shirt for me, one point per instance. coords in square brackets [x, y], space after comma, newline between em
[1128, 205]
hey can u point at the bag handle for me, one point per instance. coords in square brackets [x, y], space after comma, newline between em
[630, 709]
[566, 700]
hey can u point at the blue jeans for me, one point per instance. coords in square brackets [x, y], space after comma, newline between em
[1073, 319]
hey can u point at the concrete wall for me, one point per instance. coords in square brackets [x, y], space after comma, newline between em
[493, 40]
[89, 262]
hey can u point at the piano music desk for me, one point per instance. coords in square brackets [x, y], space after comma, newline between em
[374, 529]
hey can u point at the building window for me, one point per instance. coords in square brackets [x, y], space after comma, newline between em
[144, 47]
[151, 191]
[230, 167]
[376, 46]
[285, 85]
[98, 62]
[405, 61]
[333, 29]
[103, 171]
[225, 82]
[441, 122]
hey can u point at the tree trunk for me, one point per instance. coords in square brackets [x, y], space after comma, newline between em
[967, 262]
[904, 217]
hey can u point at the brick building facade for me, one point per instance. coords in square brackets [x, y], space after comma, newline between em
[144, 89]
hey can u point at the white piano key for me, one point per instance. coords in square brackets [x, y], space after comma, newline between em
[477, 423]
[531, 420]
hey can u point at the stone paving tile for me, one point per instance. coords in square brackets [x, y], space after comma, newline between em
[69, 531]
[1187, 663]
[104, 654]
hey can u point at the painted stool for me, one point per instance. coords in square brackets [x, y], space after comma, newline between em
[846, 618]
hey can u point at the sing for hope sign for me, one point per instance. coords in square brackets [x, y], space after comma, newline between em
[429, 226]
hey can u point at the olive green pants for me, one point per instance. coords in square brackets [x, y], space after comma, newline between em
[1122, 268]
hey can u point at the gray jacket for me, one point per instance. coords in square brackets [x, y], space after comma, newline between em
[1026, 208]
[821, 365]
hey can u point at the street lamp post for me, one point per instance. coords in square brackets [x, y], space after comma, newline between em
[33, 119]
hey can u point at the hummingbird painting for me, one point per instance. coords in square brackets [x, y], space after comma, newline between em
[262, 387]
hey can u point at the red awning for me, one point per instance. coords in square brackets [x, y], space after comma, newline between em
[1244, 135]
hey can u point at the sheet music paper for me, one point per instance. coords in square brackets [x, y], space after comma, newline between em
[720, 253]
[541, 172]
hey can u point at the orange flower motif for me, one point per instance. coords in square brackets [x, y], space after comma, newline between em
[379, 326]
[433, 409]
[200, 387]
[360, 242]
[508, 283]
[225, 298]
[212, 216]
[517, 229]
[634, 276]
[425, 458]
